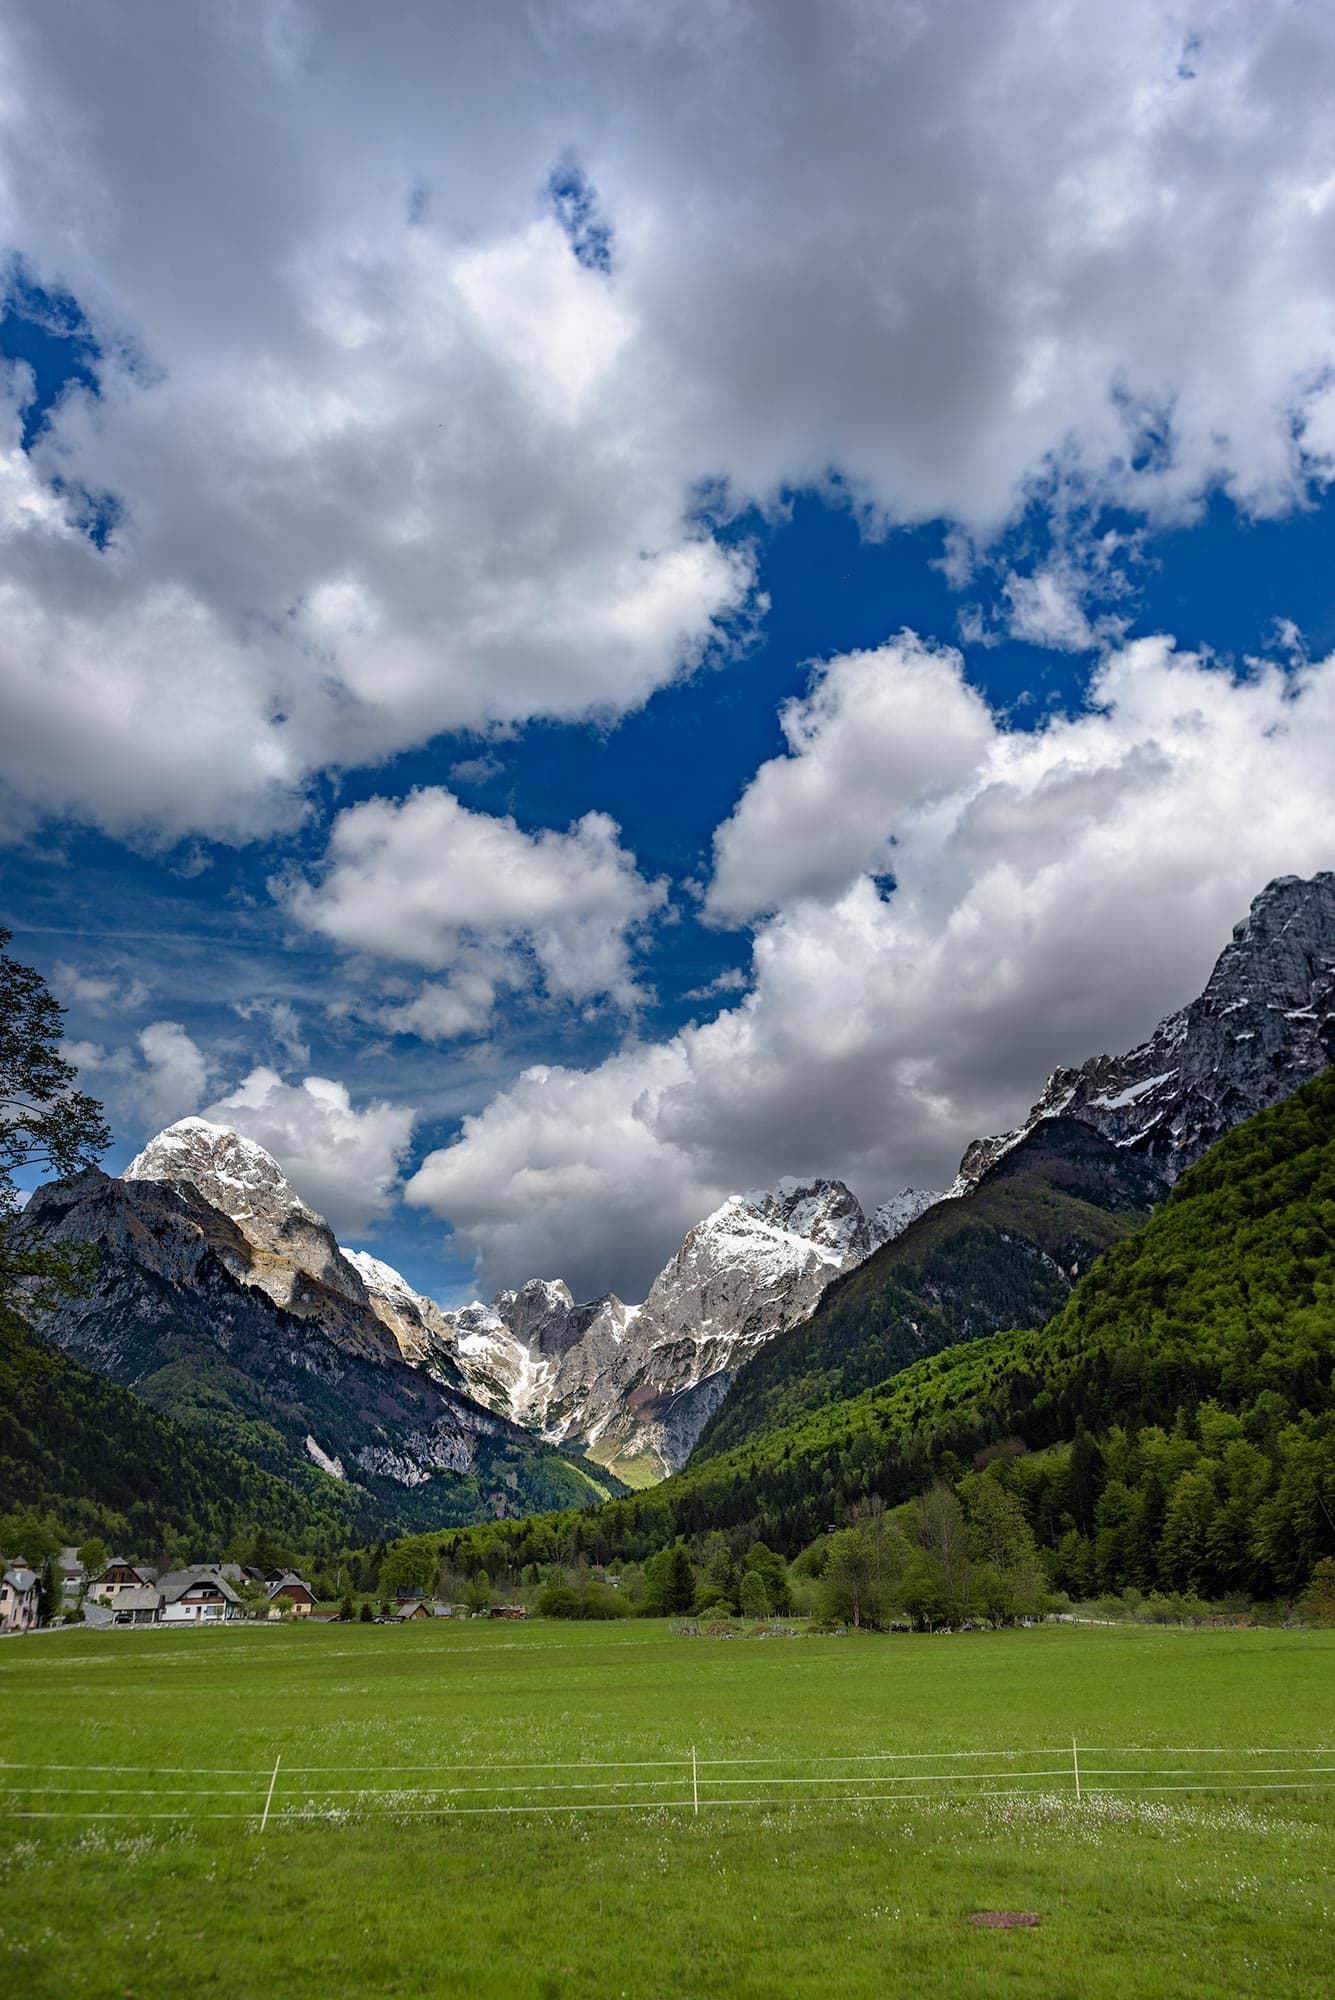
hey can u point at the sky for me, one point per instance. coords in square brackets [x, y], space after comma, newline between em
[603, 602]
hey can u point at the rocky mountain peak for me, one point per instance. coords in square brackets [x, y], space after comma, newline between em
[894, 1215]
[538, 1314]
[823, 1212]
[1264, 1023]
[293, 1254]
[214, 1156]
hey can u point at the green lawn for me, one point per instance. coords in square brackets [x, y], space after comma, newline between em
[1150, 1894]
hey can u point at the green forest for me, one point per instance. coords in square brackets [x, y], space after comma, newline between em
[1172, 1428]
[90, 1459]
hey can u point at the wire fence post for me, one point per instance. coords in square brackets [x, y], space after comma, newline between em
[695, 1782]
[1075, 1766]
[272, 1782]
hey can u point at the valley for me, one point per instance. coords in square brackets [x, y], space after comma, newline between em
[1229, 1887]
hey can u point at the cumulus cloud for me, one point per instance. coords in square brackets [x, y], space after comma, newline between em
[427, 882]
[393, 455]
[878, 737]
[342, 1159]
[1069, 886]
[159, 1077]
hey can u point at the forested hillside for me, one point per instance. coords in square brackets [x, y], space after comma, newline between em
[1005, 1255]
[1173, 1426]
[78, 1448]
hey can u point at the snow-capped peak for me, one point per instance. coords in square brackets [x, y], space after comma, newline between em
[380, 1279]
[893, 1217]
[196, 1150]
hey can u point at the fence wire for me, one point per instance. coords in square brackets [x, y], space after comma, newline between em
[285, 1794]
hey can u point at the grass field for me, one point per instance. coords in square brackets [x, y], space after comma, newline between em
[1140, 1892]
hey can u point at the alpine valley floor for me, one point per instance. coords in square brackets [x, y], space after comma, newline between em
[1145, 1894]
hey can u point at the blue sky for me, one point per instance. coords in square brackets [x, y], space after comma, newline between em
[563, 660]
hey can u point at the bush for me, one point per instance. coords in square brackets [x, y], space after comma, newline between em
[601, 1601]
[596, 1600]
[558, 1600]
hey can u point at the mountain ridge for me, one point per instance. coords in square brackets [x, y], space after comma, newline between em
[169, 1318]
[632, 1385]
[1263, 1024]
[1006, 1253]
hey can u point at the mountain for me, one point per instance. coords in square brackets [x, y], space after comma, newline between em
[635, 1385]
[315, 1391]
[1173, 1427]
[1005, 1254]
[102, 1462]
[275, 1241]
[632, 1386]
[1264, 1024]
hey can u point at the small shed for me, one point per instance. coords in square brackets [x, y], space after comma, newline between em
[138, 1607]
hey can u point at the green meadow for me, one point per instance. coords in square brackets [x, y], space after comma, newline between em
[862, 1830]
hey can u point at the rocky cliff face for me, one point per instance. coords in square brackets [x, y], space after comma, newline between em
[275, 1241]
[170, 1318]
[1264, 1024]
[637, 1384]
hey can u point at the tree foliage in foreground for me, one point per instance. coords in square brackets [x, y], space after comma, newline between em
[46, 1123]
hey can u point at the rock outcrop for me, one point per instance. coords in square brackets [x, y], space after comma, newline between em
[1264, 1024]
[637, 1384]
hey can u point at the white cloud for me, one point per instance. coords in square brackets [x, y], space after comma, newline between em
[284, 1027]
[879, 736]
[161, 1076]
[97, 992]
[427, 882]
[405, 522]
[391, 461]
[343, 1160]
[1074, 883]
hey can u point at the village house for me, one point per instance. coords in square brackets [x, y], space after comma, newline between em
[198, 1597]
[293, 1594]
[118, 1576]
[19, 1598]
[138, 1607]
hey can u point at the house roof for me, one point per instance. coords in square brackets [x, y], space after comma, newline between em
[19, 1578]
[178, 1581]
[141, 1597]
[119, 1562]
[290, 1581]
